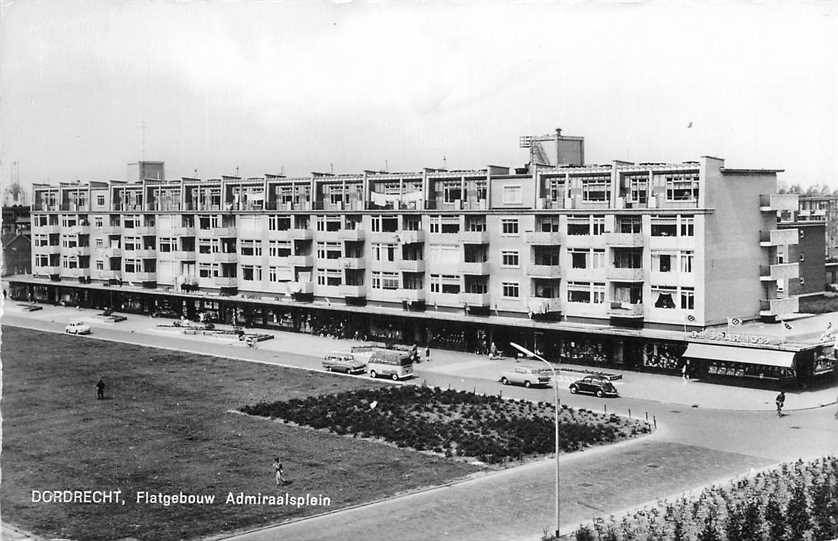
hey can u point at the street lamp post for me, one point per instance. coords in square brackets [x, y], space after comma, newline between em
[529, 353]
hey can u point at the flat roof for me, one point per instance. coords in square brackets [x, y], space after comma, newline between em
[731, 171]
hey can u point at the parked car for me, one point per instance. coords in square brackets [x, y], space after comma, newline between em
[597, 385]
[344, 362]
[77, 327]
[526, 376]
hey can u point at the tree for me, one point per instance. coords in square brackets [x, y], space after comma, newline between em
[708, 532]
[751, 526]
[797, 513]
[795, 188]
[822, 498]
[775, 521]
[584, 534]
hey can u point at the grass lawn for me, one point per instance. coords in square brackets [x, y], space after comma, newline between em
[165, 427]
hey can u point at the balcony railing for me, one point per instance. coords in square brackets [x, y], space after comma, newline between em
[383, 237]
[544, 238]
[624, 274]
[226, 232]
[777, 307]
[47, 269]
[48, 249]
[109, 230]
[184, 231]
[411, 236]
[75, 273]
[139, 276]
[352, 235]
[113, 251]
[412, 295]
[47, 229]
[184, 255]
[412, 265]
[225, 257]
[625, 309]
[475, 299]
[474, 267]
[778, 202]
[301, 260]
[780, 271]
[474, 237]
[77, 251]
[353, 262]
[145, 230]
[353, 291]
[226, 281]
[77, 230]
[778, 237]
[544, 271]
[624, 239]
[300, 234]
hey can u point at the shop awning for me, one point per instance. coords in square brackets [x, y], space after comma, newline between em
[765, 357]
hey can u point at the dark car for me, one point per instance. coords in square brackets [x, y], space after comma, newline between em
[596, 385]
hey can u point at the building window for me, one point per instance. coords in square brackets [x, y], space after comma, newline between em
[445, 283]
[510, 290]
[384, 252]
[329, 277]
[98, 221]
[598, 225]
[279, 248]
[251, 273]
[100, 242]
[100, 265]
[664, 296]
[662, 262]
[802, 281]
[579, 292]
[598, 259]
[385, 280]
[451, 191]
[579, 227]
[663, 227]
[100, 200]
[509, 226]
[687, 298]
[802, 233]
[598, 290]
[509, 258]
[682, 187]
[579, 259]
[512, 195]
[687, 262]
[687, 226]
[802, 256]
[596, 189]
[250, 247]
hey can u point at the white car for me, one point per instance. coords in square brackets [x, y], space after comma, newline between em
[77, 327]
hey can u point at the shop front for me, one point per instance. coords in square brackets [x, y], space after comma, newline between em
[742, 365]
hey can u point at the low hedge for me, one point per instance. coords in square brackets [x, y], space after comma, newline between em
[454, 423]
[793, 502]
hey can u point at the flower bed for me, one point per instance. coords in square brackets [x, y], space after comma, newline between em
[797, 501]
[454, 423]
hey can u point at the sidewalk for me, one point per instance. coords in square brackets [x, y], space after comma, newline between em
[638, 385]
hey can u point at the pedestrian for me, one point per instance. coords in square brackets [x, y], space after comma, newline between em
[100, 389]
[781, 400]
[493, 351]
[684, 375]
[428, 354]
[836, 411]
[279, 473]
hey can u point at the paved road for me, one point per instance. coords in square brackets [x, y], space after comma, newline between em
[693, 447]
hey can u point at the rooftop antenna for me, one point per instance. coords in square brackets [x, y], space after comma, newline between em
[196, 172]
[282, 170]
[386, 165]
[331, 168]
[237, 170]
[445, 162]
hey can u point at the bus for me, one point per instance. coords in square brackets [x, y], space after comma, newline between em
[390, 363]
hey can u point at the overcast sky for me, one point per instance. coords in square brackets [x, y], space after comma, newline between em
[297, 86]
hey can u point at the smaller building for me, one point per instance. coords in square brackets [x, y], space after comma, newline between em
[17, 254]
[809, 254]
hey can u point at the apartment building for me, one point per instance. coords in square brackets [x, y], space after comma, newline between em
[818, 208]
[449, 258]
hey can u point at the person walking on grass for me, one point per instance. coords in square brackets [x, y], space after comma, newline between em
[781, 400]
[100, 389]
[279, 473]
[427, 353]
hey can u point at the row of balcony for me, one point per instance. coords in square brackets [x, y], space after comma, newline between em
[780, 271]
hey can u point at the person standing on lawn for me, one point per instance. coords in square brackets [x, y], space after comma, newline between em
[781, 400]
[100, 389]
[279, 473]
